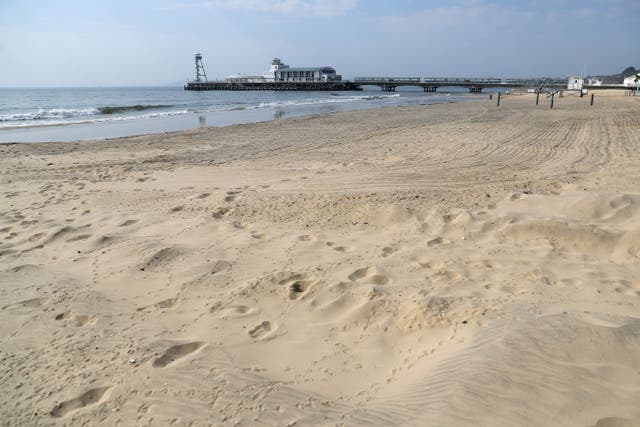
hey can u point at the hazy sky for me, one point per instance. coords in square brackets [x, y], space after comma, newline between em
[148, 42]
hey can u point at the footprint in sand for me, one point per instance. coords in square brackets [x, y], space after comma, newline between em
[35, 237]
[76, 319]
[161, 258]
[128, 223]
[307, 238]
[388, 251]
[220, 265]
[368, 275]
[297, 284]
[489, 263]
[262, 331]
[615, 422]
[79, 238]
[453, 217]
[164, 304]
[258, 235]
[30, 303]
[337, 248]
[359, 274]
[298, 288]
[203, 195]
[176, 352]
[431, 264]
[167, 303]
[232, 195]
[85, 399]
[438, 241]
[221, 212]
[237, 311]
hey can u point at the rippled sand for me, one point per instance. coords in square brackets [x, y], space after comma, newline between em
[447, 265]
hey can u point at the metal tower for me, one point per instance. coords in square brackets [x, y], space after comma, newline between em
[544, 86]
[201, 76]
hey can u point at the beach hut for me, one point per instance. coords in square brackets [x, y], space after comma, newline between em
[575, 83]
[631, 80]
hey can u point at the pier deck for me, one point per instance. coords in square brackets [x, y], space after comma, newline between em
[389, 84]
[300, 86]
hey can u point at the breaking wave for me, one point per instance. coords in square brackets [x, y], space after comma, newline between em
[50, 122]
[42, 114]
[127, 108]
[67, 116]
[67, 113]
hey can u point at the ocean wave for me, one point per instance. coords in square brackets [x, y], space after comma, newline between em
[8, 125]
[69, 116]
[366, 97]
[335, 100]
[42, 114]
[126, 108]
[67, 113]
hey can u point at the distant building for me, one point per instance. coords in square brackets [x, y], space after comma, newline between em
[281, 72]
[631, 80]
[307, 74]
[575, 83]
[276, 64]
[241, 78]
[594, 82]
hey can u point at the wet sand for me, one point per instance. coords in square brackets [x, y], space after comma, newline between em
[453, 264]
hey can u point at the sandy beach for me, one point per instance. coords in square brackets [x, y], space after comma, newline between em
[442, 265]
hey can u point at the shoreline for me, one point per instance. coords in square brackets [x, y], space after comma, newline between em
[174, 132]
[372, 267]
[270, 108]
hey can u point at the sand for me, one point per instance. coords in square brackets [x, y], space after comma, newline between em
[442, 265]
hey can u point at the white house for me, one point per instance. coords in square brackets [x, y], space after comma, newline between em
[631, 80]
[575, 83]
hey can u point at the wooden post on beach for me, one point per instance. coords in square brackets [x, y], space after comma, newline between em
[592, 100]
[498, 99]
[537, 97]
[552, 100]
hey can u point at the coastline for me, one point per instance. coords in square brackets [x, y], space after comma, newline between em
[369, 267]
[116, 112]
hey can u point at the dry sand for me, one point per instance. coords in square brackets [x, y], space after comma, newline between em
[440, 265]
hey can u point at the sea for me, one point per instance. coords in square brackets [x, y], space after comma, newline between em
[70, 114]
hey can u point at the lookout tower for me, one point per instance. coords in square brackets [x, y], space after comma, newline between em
[201, 76]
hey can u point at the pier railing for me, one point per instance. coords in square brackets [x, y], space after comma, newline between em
[389, 84]
[457, 80]
[388, 79]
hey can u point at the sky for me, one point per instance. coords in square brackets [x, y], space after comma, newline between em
[152, 42]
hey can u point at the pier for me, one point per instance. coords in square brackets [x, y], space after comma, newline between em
[389, 84]
[283, 77]
[474, 84]
[272, 85]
